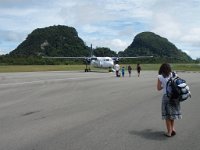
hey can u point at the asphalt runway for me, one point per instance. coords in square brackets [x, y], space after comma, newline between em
[92, 111]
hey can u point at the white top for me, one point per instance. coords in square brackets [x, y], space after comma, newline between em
[163, 82]
[117, 67]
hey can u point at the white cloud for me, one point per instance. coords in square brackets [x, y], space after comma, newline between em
[1, 52]
[192, 37]
[118, 44]
[166, 26]
[195, 53]
[17, 12]
[187, 52]
[90, 29]
[11, 36]
[114, 44]
[80, 13]
[9, 1]
[108, 23]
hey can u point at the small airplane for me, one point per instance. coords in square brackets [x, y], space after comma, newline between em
[99, 62]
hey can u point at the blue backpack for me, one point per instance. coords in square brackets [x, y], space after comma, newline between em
[177, 89]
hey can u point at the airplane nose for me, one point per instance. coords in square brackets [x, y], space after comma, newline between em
[112, 64]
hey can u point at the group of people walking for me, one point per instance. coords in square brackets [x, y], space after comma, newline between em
[129, 68]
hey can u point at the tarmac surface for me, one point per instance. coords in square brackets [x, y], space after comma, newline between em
[92, 111]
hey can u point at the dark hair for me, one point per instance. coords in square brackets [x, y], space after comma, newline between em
[165, 70]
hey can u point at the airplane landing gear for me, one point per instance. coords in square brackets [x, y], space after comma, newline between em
[87, 69]
[110, 69]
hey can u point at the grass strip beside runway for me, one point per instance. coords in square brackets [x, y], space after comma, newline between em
[34, 68]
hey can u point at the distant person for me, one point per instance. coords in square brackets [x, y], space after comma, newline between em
[129, 70]
[170, 110]
[117, 68]
[138, 69]
[123, 71]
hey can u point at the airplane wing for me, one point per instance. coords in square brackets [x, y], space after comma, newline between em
[133, 57]
[118, 58]
[65, 57]
[94, 58]
[136, 57]
[86, 58]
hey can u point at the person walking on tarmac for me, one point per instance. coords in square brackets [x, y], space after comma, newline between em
[117, 68]
[138, 69]
[169, 110]
[123, 71]
[129, 70]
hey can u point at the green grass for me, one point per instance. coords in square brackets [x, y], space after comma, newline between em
[32, 68]
[176, 67]
[186, 67]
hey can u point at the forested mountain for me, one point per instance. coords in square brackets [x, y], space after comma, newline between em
[52, 41]
[64, 41]
[104, 52]
[148, 43]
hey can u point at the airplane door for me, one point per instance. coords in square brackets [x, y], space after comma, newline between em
[100, 64]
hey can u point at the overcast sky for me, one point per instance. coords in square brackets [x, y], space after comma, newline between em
[104, 23]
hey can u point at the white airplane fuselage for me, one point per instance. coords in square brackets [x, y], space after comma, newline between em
[103, 62]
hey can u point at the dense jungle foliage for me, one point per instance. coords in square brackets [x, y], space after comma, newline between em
[64, 41]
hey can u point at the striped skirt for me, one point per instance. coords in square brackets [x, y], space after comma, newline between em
[170, 110]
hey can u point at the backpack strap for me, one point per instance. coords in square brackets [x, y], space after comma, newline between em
[167, 86]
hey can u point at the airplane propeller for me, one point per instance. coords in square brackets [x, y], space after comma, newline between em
[88, 60]
[115, 59]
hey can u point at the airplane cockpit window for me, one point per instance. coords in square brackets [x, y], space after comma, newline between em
[107, 59]
[93, 58]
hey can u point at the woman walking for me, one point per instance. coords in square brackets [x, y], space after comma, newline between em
[129, 70]
[170, 110]
[138, 69]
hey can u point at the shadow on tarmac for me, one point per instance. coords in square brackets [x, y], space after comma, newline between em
[149, 134]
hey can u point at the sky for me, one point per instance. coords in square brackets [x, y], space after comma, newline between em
[104, 23]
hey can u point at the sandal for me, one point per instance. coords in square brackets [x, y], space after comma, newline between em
[173, 133]
[167, 135]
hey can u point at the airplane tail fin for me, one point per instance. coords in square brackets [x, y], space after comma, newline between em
[91, 51]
